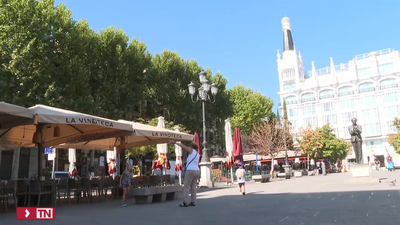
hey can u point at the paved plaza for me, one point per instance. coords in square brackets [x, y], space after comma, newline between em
[298, 201]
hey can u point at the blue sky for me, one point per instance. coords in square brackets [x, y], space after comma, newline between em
[240, 38]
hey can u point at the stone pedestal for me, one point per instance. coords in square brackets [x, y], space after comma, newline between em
[206, 176]
[361, 171]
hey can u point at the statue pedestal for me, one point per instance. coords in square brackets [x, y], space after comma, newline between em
[206, 176]
[361, 171]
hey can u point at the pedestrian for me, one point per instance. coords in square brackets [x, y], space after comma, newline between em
[241, 178]
[125, 183]
[377, 163]
[191, 174]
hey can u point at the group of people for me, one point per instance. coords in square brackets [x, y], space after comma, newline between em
[192, 175]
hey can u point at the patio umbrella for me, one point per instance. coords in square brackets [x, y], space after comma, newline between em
[162, 150]
[197, 140]
[229, 146]
[13, 115]
[178, 162]
[72, 171]
[237, 146]
[111, 160]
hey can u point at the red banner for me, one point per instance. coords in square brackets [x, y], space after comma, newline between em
[36, 213]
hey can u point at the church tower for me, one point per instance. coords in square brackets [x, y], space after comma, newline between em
[290, 65]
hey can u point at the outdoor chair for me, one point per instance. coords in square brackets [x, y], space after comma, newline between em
[86, 188]
[74, 187]
[62, 186]
[155, 181]
[40, 189]
[107, 184]
[23, 190]
[167, 180]
[8, 191]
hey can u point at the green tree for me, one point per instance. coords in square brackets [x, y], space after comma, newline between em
[285, 115]
[278, 117]
[249, 108]
[323, 143]
[394, 139]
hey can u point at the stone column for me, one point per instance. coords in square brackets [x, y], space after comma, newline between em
[15, 164]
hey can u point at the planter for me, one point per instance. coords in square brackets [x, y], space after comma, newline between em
[298, 174]
[261, 178]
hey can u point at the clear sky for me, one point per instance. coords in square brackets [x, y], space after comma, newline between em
[240, 38]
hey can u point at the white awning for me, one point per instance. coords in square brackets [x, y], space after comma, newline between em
[13, 115]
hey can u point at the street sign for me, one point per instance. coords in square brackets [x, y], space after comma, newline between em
[48, 150]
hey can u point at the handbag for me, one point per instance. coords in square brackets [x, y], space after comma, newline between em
[184, 170]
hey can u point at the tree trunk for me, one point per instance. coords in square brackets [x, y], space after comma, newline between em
[272, 167]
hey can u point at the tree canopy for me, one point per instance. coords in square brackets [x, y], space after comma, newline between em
[323, 143]
[394, 139]
[47, 57]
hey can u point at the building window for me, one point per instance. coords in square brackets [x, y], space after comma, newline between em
[308, 97]
[373, 146]
[388, 83]
[347, 116]
[390, 97]
[346, 133]
[310, 121]
[309, 109]
[368, 100]
[370, 114]
[386, 68]
[365, 87]
[291, 100]
[289, 86]
[292, 112]
[371, 129]
[364, 72]
[392, 111]
[326, 94]
[347, 104]
[348, 90]
[288, 74]
[329, 106]
[329, 119]
[390, 128]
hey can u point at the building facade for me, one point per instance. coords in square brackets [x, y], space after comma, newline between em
[367, 88]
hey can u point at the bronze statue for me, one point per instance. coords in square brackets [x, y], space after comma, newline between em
[355, 131]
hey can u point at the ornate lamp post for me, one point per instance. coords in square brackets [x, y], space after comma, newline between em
[204, 95]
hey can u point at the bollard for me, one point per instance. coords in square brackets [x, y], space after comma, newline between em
[324, 168]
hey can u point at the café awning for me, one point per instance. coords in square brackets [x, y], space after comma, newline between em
[54, 126]
[142, 135]
[14, 115]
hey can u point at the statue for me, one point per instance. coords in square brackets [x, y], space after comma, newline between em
[355, 131]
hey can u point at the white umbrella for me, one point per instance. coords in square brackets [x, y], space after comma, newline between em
[111, 160]
[229, 145]
[178, 162]
[162, 149]
[72, 160]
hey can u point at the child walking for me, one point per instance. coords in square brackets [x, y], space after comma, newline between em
[125, 182]
[241, 178]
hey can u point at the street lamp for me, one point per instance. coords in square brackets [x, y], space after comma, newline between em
[204, 95]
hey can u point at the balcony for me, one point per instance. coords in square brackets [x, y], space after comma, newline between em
[308, 99]
[346, 93]
[387, 86]
[291, 102]
[326, 96]
[362, 90]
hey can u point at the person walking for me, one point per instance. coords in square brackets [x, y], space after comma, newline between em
[241, 178]
[125, 182]
[377, 163]
[192, 174]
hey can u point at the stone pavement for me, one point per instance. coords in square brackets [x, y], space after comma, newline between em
[299, 201]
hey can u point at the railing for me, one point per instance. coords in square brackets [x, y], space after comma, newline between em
[291, 102]
[380, 52]
[342, 67]
[308, 99]
[388, 86]
[328, 70]
[326, 96]
[346, 93]
[367, 89]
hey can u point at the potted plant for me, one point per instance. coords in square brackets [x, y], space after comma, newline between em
[46, 173]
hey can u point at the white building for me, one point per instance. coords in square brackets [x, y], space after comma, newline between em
[366, 88]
